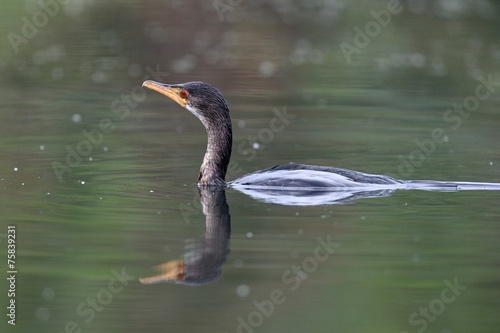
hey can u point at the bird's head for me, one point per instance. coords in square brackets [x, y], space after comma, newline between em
[202, 99]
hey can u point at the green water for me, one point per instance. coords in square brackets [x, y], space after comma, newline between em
[99, 177]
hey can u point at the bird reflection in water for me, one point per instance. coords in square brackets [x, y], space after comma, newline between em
[203, 263]
[203, 260]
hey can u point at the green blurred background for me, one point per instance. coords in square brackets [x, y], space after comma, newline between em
[65, 68]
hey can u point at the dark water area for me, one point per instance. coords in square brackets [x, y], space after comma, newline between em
[98, 176]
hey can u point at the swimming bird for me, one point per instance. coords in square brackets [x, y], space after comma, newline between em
[208, 104]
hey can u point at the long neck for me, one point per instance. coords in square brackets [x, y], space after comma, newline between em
[214, 167]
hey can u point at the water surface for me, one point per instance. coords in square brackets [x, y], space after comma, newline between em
[91, 219]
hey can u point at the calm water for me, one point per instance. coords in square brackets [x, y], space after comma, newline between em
[99, 177]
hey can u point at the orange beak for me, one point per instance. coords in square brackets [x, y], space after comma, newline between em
[166, 90]
[170, 271]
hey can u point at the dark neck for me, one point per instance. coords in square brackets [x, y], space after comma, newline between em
[214, 167]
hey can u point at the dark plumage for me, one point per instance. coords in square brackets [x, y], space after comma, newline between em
[208, 104]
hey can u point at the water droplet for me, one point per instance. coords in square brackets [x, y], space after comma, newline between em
[42, 314]
[185, 64]
[76, 118]
[267, 68]
[417, 60]
[99, 76]
[48, 294]
[243, 290]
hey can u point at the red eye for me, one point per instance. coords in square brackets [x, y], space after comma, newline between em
[183, 93]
